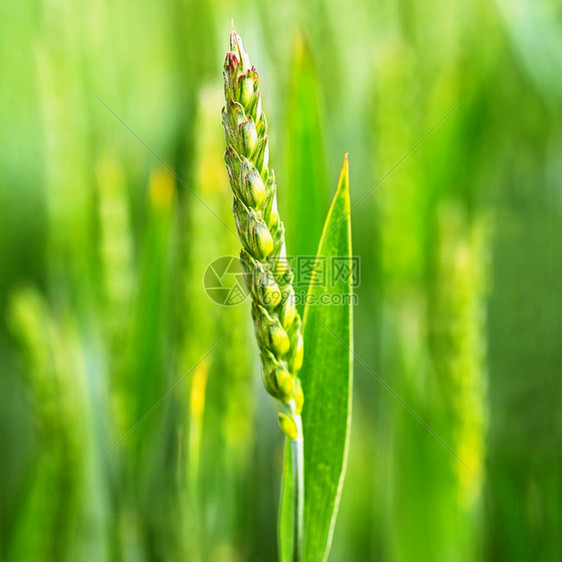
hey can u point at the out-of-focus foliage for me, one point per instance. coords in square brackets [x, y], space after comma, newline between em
[133, 424]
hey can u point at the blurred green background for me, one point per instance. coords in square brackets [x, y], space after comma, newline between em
[124, 433]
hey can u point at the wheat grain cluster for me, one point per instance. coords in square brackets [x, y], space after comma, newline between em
[261, 231]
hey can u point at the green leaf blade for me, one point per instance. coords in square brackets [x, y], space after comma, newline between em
[326, 378]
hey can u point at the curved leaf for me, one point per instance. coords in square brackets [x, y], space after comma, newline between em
[326, 378]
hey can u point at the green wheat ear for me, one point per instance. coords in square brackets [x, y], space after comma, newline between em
[268, 273]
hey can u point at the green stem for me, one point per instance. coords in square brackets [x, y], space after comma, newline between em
[297, 452]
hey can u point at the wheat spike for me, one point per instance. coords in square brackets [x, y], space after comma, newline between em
[269, 276]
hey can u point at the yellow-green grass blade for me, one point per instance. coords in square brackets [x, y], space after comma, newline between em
[326, 378]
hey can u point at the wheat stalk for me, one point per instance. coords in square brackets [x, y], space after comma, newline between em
[268, 274]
